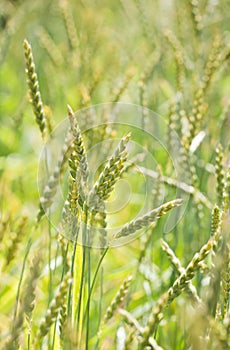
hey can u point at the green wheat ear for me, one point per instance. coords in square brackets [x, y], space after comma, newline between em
[33, 85]
[69, 24]
[220, 174]
[179, 268]
[147, 219]
[111, 173]
[116, 302]
[15, 238]
[119, 298]
[26, 306]
[54, 308]
[179, 58]
[78, 162]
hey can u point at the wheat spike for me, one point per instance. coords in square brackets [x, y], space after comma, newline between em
[78, 163]
[33, 85]
[111, 173]
[54, 308]
[178, 286]
[119, 298]
[147, 219]
[15, 239]
[179, 268]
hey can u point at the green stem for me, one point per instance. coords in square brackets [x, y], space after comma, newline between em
[63, 273]
[69, 307]
[100, 309]
[82, 274]
[89, 282]
[21, 275]
[95, 277]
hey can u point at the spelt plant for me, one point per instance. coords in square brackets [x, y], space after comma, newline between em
[60, 273]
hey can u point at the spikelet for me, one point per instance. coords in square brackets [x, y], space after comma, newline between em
[119, 91]
[147, 219]
[27, 305]
[225, 199]
[174, 124]
[63, 323]
[225, 281]
[220, 333]
[50, 189]
[216, 219]
[33, 85]
[15, 239]
[30, 285]
[111, 173]
[213, 63]
[179, 58]
[51, 48]
[195, 117]
[158, 188]
[100, 221]
[4, 226]
[196, 15]
[178, 286]
[216, 263]
[179, 268]
[143, 100]
[118, 300]
[64, 252]
[220, 174]
[78, 163]
[49, 121]
[54, 308]
[70, 211]
[69, 24]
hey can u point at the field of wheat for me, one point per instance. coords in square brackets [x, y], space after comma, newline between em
[115, 175]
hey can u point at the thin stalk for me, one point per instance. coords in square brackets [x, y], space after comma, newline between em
[82, 274]
[100, 310]
[89, 282]
[95, 277]
[49, 260]
[28, 343]
[62, 276]
[49, 263]
[21, 276]
[49, 241]
[69, 307]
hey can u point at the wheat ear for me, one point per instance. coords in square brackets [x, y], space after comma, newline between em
[147, 219]
[54, 308]
[33, 85]
[178, 286]
[111, 173]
